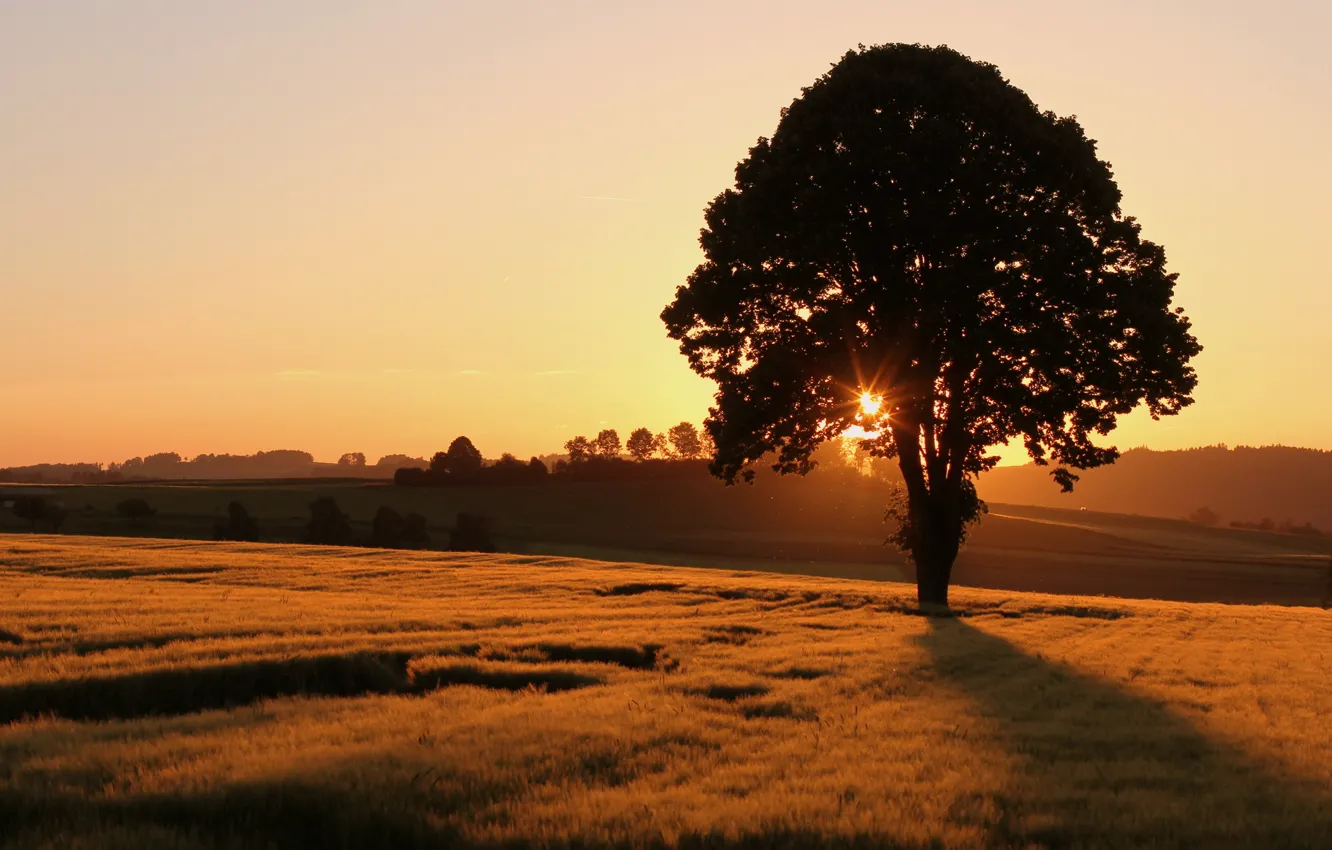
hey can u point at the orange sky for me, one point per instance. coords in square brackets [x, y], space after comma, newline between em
[337, 226]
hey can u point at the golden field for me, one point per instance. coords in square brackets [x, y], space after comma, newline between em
[183, 694]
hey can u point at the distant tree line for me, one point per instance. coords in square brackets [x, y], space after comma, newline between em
[281, 463]
[462, 463]
[679, 450]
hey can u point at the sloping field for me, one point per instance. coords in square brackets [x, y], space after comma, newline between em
[177, 694]
[826, 524]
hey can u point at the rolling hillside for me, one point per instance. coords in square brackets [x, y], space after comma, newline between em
[169, 694]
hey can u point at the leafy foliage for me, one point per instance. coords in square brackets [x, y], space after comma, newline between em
[685, 440]
[640, 444]
[607, 443]
[579, 449]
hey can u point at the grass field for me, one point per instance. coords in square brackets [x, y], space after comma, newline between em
[822, 525]
[176, 694]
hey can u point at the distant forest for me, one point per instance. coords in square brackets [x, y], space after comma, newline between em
[283, 463]
[596, 457]
[1277, 488]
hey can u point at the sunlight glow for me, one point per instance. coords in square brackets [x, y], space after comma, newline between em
[870, 403]
[857, 432]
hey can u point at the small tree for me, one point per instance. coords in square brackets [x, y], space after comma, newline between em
[661, 445]
[352, 459]
[471, 534]
[55, 515]
[387, 528]
[536, 468]
[607, 443]
[686, 441]
[579, 449]
[135, 509]
[328, 524]
[30, 508]
[1205, 516]
[239, 525]
[414, 534]
[640, 445]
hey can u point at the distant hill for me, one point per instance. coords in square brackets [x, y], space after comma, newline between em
[1243, 484]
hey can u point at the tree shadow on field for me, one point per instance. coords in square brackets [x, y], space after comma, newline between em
[1097, 766]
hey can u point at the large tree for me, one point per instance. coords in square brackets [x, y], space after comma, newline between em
[920, 251]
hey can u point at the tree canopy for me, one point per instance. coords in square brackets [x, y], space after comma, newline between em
[607, 443]
[685, 440]
[920, 251]
[640, 444]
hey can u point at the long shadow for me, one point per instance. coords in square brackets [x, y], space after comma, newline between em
[1098, 767]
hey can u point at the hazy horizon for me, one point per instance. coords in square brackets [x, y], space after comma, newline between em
[234, 227]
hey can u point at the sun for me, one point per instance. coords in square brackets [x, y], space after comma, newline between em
[870, 403]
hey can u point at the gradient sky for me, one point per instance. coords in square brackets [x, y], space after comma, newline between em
[350, 226]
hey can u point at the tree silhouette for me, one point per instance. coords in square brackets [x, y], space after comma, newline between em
[439, 463]
[471, 534]
[30, 508]
[134, 509]
[607, 443]
[386, 529]
[640, 444]
[414, 534]
[464, 460]
[685, 440]
[509, 461]
[239, 525]
[328, 524]
[661, 445]
[920, 251]
[579, 449]
[535, 468]
[352, 459]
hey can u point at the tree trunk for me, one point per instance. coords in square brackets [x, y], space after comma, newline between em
[932, 581]
[935, 521]
[937, 542]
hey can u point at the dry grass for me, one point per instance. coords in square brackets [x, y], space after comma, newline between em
[171, 694]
